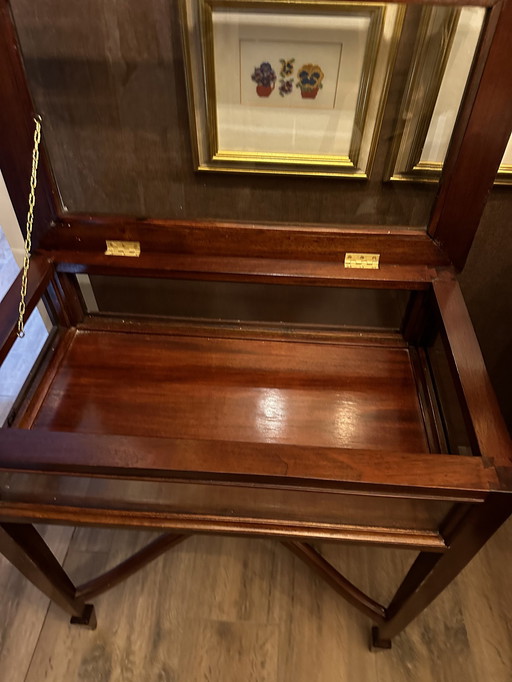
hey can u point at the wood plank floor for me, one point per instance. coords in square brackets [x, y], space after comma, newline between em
[235, 609]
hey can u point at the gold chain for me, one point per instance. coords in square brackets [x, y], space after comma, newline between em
[30, 222]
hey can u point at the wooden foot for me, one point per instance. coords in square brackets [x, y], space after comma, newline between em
[87, 619]
[377, 643]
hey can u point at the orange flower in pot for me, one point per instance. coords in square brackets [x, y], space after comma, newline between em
[310, 80]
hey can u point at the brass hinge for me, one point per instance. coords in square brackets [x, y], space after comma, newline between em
[115, 248]
[365, 261]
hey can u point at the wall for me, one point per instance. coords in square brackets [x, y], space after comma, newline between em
[487, 286]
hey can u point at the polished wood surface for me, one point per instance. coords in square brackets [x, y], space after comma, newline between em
[183, 371]
[302, 272]
[239, 390]
[286, 242]
[445, 476]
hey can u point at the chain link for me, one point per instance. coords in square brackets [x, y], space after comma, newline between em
[30, 223]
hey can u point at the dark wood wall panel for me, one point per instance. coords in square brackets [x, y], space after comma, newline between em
[108, 79]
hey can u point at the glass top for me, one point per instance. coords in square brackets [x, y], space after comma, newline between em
[316, 113]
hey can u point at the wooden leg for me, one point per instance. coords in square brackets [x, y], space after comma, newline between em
[429, 575]
[23, 547]
[420, 570]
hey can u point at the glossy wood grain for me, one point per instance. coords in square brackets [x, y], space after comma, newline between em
[287, 242]
[240, 390]
[301, 272]
[441, 476]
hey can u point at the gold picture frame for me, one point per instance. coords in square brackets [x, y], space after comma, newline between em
[335, 134]
[504, 176]
[446, 43]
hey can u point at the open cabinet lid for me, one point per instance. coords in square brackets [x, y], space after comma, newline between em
[476, 149]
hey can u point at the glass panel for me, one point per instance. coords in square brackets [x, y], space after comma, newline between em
[17, 366]
[444, 381]
[250, 302]
[225, 502]
[447, 40]
[21, 358]
[136, 98]
[8, 267]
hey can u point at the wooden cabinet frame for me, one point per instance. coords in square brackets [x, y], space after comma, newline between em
[261, 482]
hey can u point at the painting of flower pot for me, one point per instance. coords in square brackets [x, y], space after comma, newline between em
[310, 78]
[275, 74]
[265, 78]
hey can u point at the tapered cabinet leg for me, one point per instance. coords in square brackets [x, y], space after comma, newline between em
[420, 569]
[430, 574]
[378, 644]
[25, 549]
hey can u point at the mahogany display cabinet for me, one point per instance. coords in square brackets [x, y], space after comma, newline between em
[215, 411]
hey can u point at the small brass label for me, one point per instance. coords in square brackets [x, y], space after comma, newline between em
[130, 249]
[363, 261]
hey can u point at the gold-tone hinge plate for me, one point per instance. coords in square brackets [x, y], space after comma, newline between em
[364, 261]
[115, 248]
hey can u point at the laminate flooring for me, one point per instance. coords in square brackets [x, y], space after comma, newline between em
[235, 609]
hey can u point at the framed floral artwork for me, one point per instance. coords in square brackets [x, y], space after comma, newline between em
[288, 87]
